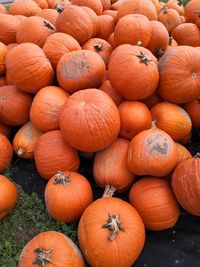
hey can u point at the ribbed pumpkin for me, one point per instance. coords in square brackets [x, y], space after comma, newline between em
[9, 25]
[96, 5]
[46, 108]
[183, 153]
[24, 7]
[156, 4]
[29, 68]
[5, 129]
[112, 13]
[107, 88]
[79, 70]
[48, 14]
[191, 11]
[14, 105]
[137, 24]
[155, 202]
[133, 72]
[106, 26]
[25, 139]
[111, 40]
[8, 194]
[51, 248]
[152, 152]
[6, 152]
[135, 117]
[3, 9]
[152, 100]
[185, 184]
[3, 53]
[179, 71]
[176, 4]
[67, 195]
[3, 81]
[106, 233]
[193, 109]
[89, 120]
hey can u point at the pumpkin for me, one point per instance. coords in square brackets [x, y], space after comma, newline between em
[135, 117]
[106, 4]
[183, 153]
[152, 100]
[170, 18]
[133, 72]
[9, 25]
[52, 248]
[79, 70]
[110, 170]
[14, 105]
[107, 88]
[116, 4]
[187, 34]
[185, 184]
[100, 46]
[186, 139]
[46, 108]
[156, 4]
[177, 5]
[155, 202]
[48, 14]
[43, 4]
[8, 194]
[193, 109]
[64, 42]
[21, 17]
[96, 5]
[106, 26]
[24, 7]
[191, 11]
[152, 152]
[89, 120]
[112, 13]
[53, 154]
[56, 3]
[25, 139]
[79, 22]
[3, 53]
[159, 39]
[179, 71]
[67, 195]
[3, 9]
[6, 152]
[106, 233]
[144, 7]
[172, 119]
[11, 45]
[136, 23]
[5, 129]
[111, 40]
[29, 68]
[3, 81]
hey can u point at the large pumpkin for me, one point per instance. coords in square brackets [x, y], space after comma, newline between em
[109, 229]
[6, 153]
[24, 7]
[155, 202]
[133, 72]
[89, 120]
[29, 68]
[3, 53]
[193, 109]
[9, 25]
[51, 248]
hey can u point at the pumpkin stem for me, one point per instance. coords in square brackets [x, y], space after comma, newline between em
[197, 155]
[42, 257]
[113, 225]
[139, 43]
[170, 40]
[21, 151]
[144, 58]
[61, 179]
[109, 191]
[59, 8]
[98, 47]
[164, 10]
[48, 25]
[153, 124]
[159, 52]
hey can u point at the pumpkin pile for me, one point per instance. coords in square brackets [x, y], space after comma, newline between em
[117, 82]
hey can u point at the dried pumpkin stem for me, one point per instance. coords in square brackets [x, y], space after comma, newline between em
[98, 47]
[153, 124]
[42, 257]
[61, 178]
[48, 25]
[59, 8]
[113, 225]
[21, 151]
[109, 191]
[159, 52]
[144, 58]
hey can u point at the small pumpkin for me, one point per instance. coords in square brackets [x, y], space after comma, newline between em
[48, 14]
[3, 53]
[108, 89]
[6, 152]
[193, 109]
[9, 25]
[24, 7]
[106, 26]
[183, 153]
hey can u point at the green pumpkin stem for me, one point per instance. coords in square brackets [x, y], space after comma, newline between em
[113, 225]
[109, 191]
[42, 257]
[60, 178]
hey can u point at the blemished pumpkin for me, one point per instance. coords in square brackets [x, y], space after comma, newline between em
[29, 68]
[133, 72]
[62, 157]
[6, 153]
[9, 25]
[79, 70]
[183, 153]
[109, 229]
[67, 195]
[8, 196]
[155, 202]
[24, 7]
[193, 109]
[25, 139]
[89, 120]
[3, 53]
[107, 88]
[51, 248]
[185, 185]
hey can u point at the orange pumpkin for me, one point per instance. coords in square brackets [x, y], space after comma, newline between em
[24, 7]
[193, 109]
[62, 157]
[9, 25]
[176, 4]
[156, 4]
[111, 40]
[11, 45]
[25, 139]
[29, 68]
[89, 120]
[6, 152]
[191, 11]
[106, 26]
[112, 13]
[186, 139]
[49, 14]
[3, 53]
[5, 129]
[116, 4]
[3, 9]
[67, 195]
[96, 5]
[107, 88]
[51, 248]
[8, 196]
[183, 153]
[106, 233]
[155, 202]
[152, 100]
[106, 4]
[3, 81]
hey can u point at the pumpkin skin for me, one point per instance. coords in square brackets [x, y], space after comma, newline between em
[136, 23]
[155, 202]
[186, 139]
[3, 53]
[25, 139]
[67, 195]
[66, 44]
[191, 10]
[96, 5]
[24, 7]
[193, 109]
[46, 108]
[152, 152]
[3, 9]
[172, 119]
[106, 26]
[6, 152]
[29, 68]
[185, 185]
[103, 248]
[97, 120]
[179, 71]
[106, 4]
[140, 78]
[12, 45]
[42, 3]
[112, 13]
[175, 5]
[135, 117]
[48, 14]
[79, 70]
[8, 196]
[60, 248]
[3, 81]
[9, 25]
[111, 40]
[14, 105]
[108, 89]
[152, 100]
[5, 129]
[183, 153]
